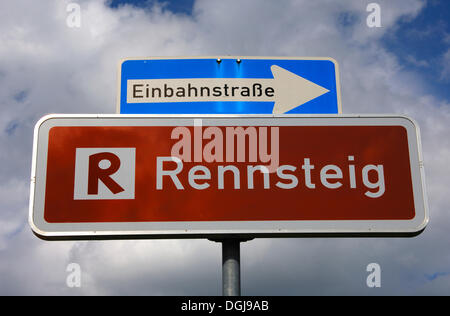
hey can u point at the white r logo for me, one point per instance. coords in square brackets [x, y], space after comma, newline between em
[104, 173]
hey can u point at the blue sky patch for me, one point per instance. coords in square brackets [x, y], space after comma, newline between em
[11, 127]
[178, 6]
[434, 276]
[421, 43]
[21, 96]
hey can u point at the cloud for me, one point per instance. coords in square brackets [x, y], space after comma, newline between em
[48, 67]
[445, 62]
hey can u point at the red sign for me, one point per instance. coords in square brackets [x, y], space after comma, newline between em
[205, 176]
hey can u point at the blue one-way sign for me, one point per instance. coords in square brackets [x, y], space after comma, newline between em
[229, 85]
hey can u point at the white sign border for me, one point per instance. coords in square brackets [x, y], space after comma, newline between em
[213, 229]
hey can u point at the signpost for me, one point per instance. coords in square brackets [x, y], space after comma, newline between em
[229, 85]
[116, 176]
[260, 170]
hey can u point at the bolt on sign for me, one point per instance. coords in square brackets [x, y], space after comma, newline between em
[228, 85]
[162, 176]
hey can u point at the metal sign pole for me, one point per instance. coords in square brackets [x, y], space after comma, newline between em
[231, 267]
[231, 264]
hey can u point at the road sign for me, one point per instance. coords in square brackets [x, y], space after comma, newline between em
[116, 176]
[229, 85]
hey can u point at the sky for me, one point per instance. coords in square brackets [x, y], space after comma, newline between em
[50, 66]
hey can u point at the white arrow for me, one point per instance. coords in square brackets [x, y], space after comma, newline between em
[286, 89]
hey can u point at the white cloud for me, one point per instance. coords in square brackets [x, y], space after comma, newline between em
[45, 66]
